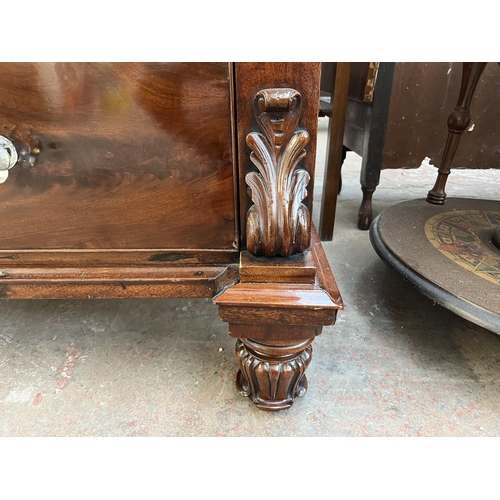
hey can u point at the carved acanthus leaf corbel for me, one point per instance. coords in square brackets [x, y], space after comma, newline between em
[278, 223]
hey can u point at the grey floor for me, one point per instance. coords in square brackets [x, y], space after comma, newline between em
[395, 364]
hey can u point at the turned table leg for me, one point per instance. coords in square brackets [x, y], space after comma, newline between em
[375, 128]
[458, 121]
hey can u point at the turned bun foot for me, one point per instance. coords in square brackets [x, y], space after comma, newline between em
[436, 197]
[272, 376]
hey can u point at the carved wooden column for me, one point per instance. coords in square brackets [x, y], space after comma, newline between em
[286, 291]
[458, 122]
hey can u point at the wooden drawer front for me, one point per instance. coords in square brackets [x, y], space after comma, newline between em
[131, 156]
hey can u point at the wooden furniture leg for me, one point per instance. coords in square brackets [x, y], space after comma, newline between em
[334, 158]
[458, 122]
[373, 144]
[276, 323]
[344, 156]
[272, 374]
[286, 291]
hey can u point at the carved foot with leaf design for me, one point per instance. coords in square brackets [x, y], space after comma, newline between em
[275, 325]
[272, 374]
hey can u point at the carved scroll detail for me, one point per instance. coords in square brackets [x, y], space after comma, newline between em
[272, 376]
[278, 223]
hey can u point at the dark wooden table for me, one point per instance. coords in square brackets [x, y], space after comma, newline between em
[127, 180]
[449, 250]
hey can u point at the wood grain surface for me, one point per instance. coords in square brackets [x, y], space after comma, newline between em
[131, 156]
[114, 282]
[282, 304]
[298, 268]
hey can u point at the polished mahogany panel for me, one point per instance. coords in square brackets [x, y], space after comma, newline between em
[126, 156]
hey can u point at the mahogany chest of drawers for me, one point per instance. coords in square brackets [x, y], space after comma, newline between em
[124, 180]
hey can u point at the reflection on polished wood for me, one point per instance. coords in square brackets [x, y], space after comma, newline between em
[132, 155]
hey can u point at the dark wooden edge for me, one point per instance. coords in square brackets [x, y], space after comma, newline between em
[336, 127]
[460, 307]
[274, 332]
[324, 275]
[108, 283]
[376, 126]
[234, 155]
[110, 257]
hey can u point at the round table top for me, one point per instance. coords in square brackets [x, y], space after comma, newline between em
[447, 252]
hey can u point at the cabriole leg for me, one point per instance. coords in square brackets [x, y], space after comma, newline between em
[365, 213]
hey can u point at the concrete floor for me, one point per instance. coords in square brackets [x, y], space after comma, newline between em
[395, 364]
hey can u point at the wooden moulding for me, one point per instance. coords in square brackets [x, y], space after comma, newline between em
[298, 268]
[281, 304]
[324, 275]
[283, 299]
[109, 282]
[104, 257]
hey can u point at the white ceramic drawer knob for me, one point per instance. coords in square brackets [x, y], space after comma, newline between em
[8, 157]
